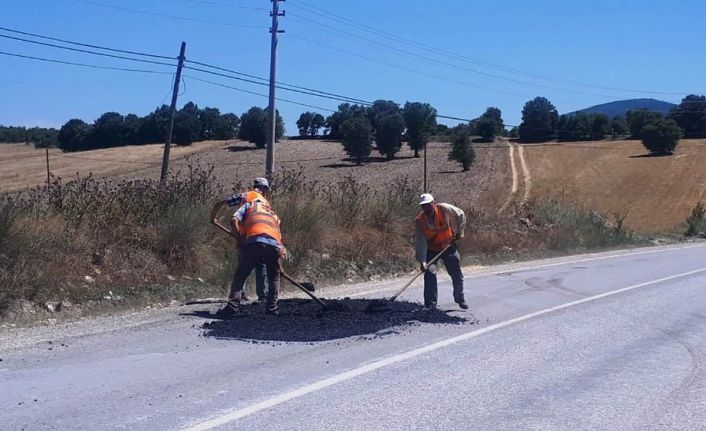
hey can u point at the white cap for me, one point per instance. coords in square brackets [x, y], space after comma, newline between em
[262, 182]
[426, 198]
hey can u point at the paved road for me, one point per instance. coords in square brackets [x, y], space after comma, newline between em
[606, 341]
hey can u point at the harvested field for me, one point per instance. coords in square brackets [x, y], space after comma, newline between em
[302, 320]
[23, 166]
[616, 177]
[240, 162]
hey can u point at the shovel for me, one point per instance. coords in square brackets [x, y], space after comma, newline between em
[381, 303]
[304, 287]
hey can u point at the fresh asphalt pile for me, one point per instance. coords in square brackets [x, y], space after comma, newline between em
[303, 320]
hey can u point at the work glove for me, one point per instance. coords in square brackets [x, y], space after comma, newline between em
[422, 266]
[458, 236]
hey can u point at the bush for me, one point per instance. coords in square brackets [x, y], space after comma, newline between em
[462, 151]
[696, 222]
[357, 141]
[388, 133]
[661, 137]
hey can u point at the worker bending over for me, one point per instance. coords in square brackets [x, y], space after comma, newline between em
[439, 225]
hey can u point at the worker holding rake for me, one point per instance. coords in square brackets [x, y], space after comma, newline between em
[256, 229]
[438, 227]
[261, 188]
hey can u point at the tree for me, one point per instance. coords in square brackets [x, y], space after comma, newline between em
[388, 133]
[253, 126]
[690, 115]
[309, 123]
[131, 127]
[600, 126]
[514, 132]
[316, 124]
[379, 108]
[226, 127]
[357, 141]
[209, 118]
[108, 131]
[303, 123]
[187, 125]
[73, 135]
[539, 119]
[420, 119]
[661, 136]
[618, 126]
[490, 124]
[154, 127]
[639, 118]
[462, 151]
[345, 111]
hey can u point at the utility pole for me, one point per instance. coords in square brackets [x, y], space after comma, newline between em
[272, 111]
[426, 190]
[175, 93]
[46, 150]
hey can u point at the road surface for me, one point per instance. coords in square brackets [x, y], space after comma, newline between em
[603, 341]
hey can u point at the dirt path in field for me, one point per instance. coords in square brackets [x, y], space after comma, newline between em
[526, 176]
[515, 182]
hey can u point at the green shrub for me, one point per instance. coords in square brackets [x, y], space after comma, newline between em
[696, 222]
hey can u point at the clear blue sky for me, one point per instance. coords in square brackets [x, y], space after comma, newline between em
[648, 45]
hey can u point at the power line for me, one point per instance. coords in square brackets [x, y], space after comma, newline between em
[310, 93]
[228, 5]
[175, 17]
[102, 54]
[257, 94]
[281, 84]
[86, 44]
[445, 63]
[93, 66]
[442, 52]
[419, 72]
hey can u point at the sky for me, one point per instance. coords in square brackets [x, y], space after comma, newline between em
[459, 56]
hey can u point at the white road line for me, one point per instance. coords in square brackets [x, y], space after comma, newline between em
[593, 257]
[233, 415]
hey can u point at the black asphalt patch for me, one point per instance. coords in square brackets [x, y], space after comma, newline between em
[303, 320]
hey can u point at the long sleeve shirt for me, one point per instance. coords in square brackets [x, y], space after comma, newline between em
[457, 221]
[239, 217]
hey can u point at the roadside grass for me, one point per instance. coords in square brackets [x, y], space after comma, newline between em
[101, 245]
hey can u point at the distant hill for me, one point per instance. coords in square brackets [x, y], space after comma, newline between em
[620, 107]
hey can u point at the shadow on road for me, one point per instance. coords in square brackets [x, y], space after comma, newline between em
[302, 320]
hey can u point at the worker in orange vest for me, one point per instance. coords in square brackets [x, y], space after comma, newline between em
[259, 239]
[439, 225]
[261, 188]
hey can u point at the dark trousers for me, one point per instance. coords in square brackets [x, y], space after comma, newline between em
[260, 282]
[452, 262]
[248, 257]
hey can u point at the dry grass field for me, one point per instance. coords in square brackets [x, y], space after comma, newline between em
[240, 162]
[616, 177]
[612, 177]
[23, 166]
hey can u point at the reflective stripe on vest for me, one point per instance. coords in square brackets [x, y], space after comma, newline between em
[438, 233]
[261, 220]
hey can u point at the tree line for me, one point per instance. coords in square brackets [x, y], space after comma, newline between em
[659, 133]
[113, 129]
[41, 137]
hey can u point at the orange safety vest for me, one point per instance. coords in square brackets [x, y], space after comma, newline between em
[251, 196]
[438, 233]
[260, 219]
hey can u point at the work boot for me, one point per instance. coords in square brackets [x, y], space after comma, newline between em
[230, 310]
[430, 305]
[463, 305]
[272, 311]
